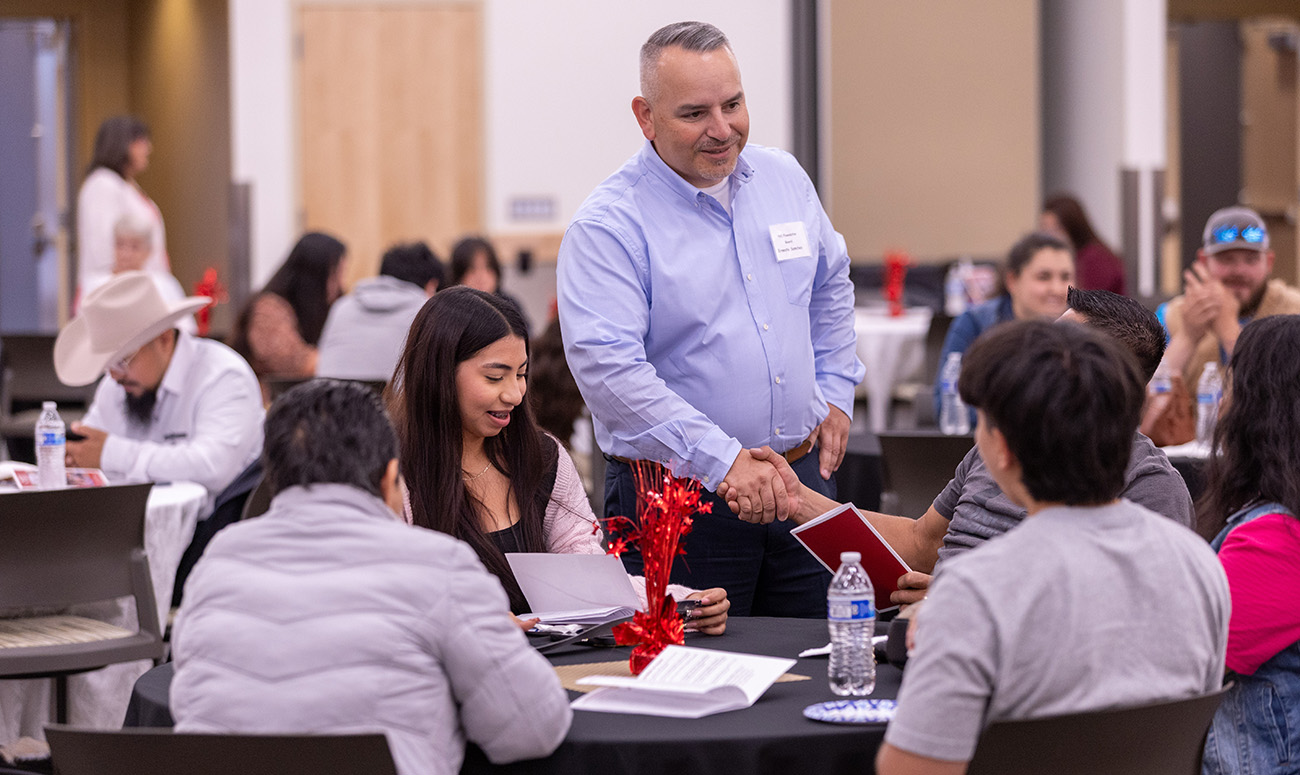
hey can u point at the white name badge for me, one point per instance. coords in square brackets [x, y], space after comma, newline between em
[790, 240]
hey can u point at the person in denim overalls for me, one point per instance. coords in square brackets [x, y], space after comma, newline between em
[1252, 476]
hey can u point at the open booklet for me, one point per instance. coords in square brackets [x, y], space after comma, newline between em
[574, 588]
[844, 529]
[685, 682]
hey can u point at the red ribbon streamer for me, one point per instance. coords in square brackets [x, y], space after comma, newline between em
[211, 287]
[665, 506]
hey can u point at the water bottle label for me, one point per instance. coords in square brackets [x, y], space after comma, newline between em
[1207, 398]
[850, 610]
[51, 439]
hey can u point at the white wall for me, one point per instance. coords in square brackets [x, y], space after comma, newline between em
[559, 79]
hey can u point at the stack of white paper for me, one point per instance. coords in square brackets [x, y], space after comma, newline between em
[574, 588]
[685, 682]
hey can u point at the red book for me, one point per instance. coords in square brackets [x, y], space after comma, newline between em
[844, 529]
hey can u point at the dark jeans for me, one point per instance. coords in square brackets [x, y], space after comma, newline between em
[765, 570]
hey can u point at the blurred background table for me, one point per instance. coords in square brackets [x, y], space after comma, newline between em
[893, 350]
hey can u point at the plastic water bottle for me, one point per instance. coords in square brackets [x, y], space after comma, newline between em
[954, 291]
[1209, 391]
[1161, 382]
[954, 418]
[51, 448]
[851, 618]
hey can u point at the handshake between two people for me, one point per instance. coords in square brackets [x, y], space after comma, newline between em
[761, 487]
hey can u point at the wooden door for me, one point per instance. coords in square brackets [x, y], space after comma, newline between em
[390, 125]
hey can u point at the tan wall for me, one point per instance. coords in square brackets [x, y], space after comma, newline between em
[935, 136]
[180, 85]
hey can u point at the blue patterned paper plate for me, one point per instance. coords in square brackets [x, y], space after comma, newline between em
[852, 711]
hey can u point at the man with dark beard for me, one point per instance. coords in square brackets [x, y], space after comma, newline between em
[1227, 287]
[175, 407]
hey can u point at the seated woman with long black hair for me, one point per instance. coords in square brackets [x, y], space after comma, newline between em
[475, 463]
[1251, 508]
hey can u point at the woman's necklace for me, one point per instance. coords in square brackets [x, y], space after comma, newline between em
[469, 478]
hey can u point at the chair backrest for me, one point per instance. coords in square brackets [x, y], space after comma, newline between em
[29, 358]
[918, 465]
[162, 752]
[60, 547]
[1164, 738]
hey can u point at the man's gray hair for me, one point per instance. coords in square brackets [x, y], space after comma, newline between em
[697, 37]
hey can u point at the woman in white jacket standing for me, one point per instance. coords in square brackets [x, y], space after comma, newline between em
[109, 193]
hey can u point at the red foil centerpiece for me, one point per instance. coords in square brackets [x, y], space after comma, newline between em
[664, 506]
[896, 263]
[211, 287]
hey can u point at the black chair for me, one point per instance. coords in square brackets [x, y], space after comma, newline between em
[1163, 738]
[60, 548]
[227, 508]
[28, 379]
[163, 752]
[918, 465]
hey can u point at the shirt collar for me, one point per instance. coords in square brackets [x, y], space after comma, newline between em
[650, 158]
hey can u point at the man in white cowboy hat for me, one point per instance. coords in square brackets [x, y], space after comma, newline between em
[175, 407]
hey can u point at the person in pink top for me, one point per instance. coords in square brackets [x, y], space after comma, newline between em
[475, 463]
[1251, 506]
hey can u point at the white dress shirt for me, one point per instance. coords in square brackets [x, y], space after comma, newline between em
[207, 423]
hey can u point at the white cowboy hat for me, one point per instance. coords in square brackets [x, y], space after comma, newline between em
[116, 319]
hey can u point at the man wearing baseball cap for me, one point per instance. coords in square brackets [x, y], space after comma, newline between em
[1226, 287]
[174, 407]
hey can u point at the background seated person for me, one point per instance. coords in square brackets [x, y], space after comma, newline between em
[476, 465]
[364, 333]
[132, 246]
[278, 329]
[1040, 268]
[973, 508]
[1252, 502]
[175, 407]
[1226, 287]
[330, 615]
[1087, 588]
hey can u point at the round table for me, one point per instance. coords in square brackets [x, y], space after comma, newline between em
[772, 736]
[98, 698]
[893, 349]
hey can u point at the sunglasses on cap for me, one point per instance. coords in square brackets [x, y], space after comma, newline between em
[1225, 234]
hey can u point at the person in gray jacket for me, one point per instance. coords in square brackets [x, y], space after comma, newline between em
[365, 330]
[329, 615]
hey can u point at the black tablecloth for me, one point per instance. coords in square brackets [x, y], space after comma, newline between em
[770, 737]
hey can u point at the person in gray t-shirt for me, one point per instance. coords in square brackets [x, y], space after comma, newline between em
[977, 509]
[1028, 625]
[972, 508]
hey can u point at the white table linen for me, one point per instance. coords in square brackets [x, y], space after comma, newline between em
[893, 350]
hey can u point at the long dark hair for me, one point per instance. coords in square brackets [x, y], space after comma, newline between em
[112, 141]
[425, 407]
[303, 281]
[1069, 211]
[1257, 439]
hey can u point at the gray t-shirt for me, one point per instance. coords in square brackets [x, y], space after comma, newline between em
[978, 510]
[1070, 612]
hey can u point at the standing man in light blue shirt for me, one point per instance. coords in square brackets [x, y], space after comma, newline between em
[707, 309]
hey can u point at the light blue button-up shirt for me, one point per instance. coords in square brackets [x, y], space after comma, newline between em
[686, 335]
